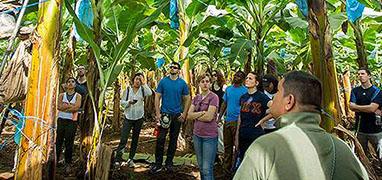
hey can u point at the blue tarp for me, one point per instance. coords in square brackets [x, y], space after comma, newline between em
[85, 14]
[303, 6]
[354, 10]
[159, 62]
[174, 23]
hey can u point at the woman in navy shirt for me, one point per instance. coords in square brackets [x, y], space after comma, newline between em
[253, 106]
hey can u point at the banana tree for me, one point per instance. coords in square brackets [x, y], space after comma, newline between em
[37, 151]
[257, 18]
[125, 31]
[323, 62]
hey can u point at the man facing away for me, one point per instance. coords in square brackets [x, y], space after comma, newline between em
[300, 149]
[173, 91]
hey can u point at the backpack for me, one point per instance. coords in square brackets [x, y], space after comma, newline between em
[128, 90]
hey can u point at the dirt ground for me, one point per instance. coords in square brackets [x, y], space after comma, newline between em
[185, 163]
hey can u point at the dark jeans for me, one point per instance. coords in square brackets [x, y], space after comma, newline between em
[270, 130]
[174, 133]
[66, 132]
[376, 141]
[136, 125]
[244, 143]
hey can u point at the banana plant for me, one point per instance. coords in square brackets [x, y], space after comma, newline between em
[37, 144]
[126, 24]
[257, 18]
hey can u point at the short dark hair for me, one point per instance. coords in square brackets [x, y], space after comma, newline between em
[241, 73]
[176, 63]
[368, 72]
[136, 75]
[69, 78]
[306, 88]
[269, 78]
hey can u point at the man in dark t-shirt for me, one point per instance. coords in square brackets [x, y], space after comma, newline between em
[365, 101]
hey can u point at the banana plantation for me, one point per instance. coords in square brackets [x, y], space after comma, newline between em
[105, 52]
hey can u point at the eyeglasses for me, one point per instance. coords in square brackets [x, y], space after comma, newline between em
[71, 81]
[174, 67]
[215, 75]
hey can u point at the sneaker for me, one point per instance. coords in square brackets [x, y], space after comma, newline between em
[155, 169]
[130, 163]
[117, 163]
[61, 163]
[169, 168]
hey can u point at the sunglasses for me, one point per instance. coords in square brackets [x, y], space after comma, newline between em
[214, 75]
[174, 67]
[71, 81]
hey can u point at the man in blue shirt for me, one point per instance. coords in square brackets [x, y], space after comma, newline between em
[232, 105]
[365, 102]
[173, 91]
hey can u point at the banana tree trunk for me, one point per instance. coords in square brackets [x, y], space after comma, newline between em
[323, 63]
[69, 59]
[360, 46]
[116, 109]
[183, 34]
[259, 56]
[362, 57]
[37, 150]
[347, 90]
[93, 75]
[271, 67]
[248, 63]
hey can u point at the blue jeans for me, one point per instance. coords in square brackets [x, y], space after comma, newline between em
[205, 149]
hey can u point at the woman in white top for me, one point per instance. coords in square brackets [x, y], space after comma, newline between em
[68, 104]
[133, 103]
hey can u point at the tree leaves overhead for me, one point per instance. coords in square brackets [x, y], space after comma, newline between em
[240, 49]
[126, 27]
[374, 4]
[207, 23]
[297, 22]
[336, 20]
[196, 7]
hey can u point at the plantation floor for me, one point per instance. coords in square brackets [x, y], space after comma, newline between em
[185, 163]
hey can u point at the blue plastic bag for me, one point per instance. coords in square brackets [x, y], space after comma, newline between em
[354, 10]
[174, 23]
[85, 14]
[303, 6]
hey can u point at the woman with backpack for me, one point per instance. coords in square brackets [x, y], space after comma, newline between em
[133, 103]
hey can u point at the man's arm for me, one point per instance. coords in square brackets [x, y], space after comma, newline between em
[75, 107]
[371, 108]
[222, 111]
[158, 97]
[187, 104]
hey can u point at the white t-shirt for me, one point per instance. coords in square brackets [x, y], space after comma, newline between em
[135, 111]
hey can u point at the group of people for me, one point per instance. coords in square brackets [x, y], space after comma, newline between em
[263, 138]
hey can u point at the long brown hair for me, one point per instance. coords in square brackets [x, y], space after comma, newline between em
[220, 78]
